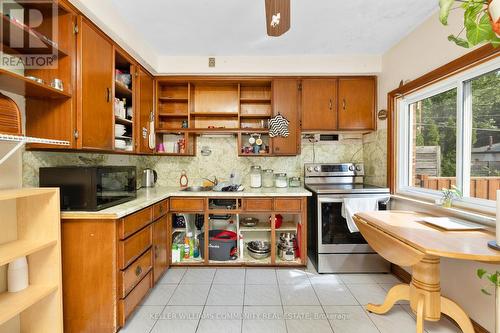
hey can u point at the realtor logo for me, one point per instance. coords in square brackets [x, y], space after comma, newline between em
[28, 34]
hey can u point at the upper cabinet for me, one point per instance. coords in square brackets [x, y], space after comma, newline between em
[319, 104]
[286, 103]
[357, 103]
[144, 111]
[96, 86]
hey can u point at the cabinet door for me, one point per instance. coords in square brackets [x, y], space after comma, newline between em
[160, 260]
[96, 77]
[319, 104]
[286, 102]
[145, 110]
[357, 103]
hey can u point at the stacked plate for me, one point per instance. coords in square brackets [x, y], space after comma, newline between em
[120, 130]
[120, 144]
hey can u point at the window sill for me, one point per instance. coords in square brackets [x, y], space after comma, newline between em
[474, 216]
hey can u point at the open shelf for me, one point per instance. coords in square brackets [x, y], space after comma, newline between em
[123, 121]
[251, 116]
[288, 226]
[21, 85]
[261, 226]
[255, 100]
[23, 33]
[122, 90]
[20, 248]
[174, 99]
[11, 304]
[172, 115]
[215, 114]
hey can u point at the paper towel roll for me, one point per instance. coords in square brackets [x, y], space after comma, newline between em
[17, 275]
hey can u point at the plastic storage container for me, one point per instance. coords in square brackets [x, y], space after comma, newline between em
[280, 180]
[268, 178]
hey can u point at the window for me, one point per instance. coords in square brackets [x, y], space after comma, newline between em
[448, 134]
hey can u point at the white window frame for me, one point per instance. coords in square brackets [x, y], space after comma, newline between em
[460, 82]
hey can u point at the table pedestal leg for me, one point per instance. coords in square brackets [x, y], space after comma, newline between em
[420, 314]
[425, 282]
[400, 292]
[453, 310]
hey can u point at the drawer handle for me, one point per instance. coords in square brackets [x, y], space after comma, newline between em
[138, 271]
[161, 209]
[330, 105]
[343, 104]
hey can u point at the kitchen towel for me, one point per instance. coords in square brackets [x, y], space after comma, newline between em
[278, 126]
[351, 206]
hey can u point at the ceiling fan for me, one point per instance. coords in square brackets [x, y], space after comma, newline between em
[277, 17]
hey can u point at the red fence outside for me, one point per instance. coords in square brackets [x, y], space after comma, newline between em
[480, 187]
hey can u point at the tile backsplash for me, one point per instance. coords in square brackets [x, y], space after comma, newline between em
[222, 161]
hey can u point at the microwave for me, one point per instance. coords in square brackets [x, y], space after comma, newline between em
[91, 188]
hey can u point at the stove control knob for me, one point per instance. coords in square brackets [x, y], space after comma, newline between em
[310, 169]
[351, 167]
[317, 168]
[358, 167]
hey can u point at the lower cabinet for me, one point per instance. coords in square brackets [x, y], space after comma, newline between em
[109, 266]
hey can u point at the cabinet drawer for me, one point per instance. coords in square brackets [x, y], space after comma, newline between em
[131, 248]
[258, 205]
[187, 204]
[134, 273]
[131, 223]
[127, 305]
[160, 209]
[287, 205]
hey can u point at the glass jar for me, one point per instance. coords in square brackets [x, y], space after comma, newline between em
[255, 176]
[268, 178]
[280, 180]
[294, 182]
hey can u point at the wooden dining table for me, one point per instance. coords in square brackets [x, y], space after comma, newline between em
[402, 238]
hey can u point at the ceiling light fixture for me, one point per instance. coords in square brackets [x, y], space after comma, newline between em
[277, 17]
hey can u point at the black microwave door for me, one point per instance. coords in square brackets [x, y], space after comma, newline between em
[114, 185]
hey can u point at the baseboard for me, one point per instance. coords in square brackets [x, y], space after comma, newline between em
[405, 277]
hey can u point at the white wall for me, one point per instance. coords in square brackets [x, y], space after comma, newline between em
[423, 50]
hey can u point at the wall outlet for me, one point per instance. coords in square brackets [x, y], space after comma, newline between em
[211, 62]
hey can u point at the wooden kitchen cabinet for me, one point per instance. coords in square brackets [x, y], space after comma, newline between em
[160, 239]
[286, 102]
[96, 86]
[144, 111]
[319, 104]
[356, 103]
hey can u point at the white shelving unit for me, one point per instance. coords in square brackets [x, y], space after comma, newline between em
[22, 140]
[31, 227]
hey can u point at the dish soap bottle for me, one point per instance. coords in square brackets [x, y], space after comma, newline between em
[191, 244]
[196, 251]
[186, 246]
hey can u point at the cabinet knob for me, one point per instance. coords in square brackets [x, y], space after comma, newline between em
[138, 271]
[343, 104]
[330, 104]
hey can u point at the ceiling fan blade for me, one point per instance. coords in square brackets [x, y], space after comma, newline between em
[277, 17]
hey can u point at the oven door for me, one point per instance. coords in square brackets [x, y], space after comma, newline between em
[333, 234]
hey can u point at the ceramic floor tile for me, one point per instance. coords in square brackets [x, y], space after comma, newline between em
[230, 276]
[261, 276]
[160, 294]
[190, 294]
[263, 319]
[385, 278]
[298, 294]
[368, 293]
[221, 319]
[357, 278]
[396, 320]
[262, 294]
[291, 276]
[334, 295]
[143, 319]
[173, 276]
[350, 319]
[224, 294]
[198, 276]
[326, 279]
[442, 326]
[301, 319]
[175, 319]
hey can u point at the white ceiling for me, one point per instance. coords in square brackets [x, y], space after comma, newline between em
[237, 27]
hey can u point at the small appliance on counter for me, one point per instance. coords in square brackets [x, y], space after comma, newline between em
[91, 188]
[149, 178]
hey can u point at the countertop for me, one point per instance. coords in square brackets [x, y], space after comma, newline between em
[150, 196]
